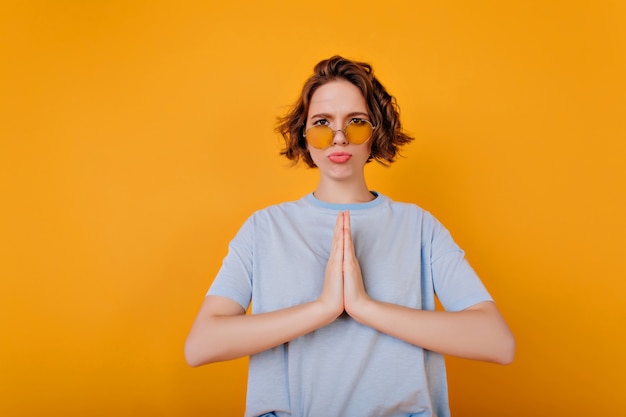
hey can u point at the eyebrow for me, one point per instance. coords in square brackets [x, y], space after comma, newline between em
[330, 116]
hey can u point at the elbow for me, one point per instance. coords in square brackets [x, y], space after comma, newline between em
[191, 356]
[192, 361]
[195, 356]
[201, 352]
[506, 351]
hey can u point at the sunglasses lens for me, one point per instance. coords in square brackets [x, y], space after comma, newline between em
[358, 132]
[319, 136]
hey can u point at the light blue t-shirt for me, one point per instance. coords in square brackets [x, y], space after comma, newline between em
[346, 369]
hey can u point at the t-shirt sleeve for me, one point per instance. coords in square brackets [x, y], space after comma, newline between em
[455, 282]
[234, 279]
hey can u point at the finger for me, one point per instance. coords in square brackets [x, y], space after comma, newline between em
[336, 249]
[348, 246]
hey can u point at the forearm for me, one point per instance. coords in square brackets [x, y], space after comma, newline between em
[479, 333]
[215, 338]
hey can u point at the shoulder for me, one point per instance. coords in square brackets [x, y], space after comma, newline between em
[276, 213]
[400, 208]
[412, 217]
[278, 209]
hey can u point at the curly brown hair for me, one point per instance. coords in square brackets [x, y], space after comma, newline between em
[388, 135]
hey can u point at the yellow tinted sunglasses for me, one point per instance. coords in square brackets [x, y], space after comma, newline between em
[356, 131]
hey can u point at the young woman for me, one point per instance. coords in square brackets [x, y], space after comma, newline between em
[343, 281]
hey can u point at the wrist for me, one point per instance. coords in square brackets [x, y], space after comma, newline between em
[325, 311]
[360, 308]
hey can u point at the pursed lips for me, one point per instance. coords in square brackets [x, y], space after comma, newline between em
[339, 157]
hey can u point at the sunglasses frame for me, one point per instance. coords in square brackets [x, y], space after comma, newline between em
[342, 131]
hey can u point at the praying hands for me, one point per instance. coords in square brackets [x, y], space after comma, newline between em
[343, 283]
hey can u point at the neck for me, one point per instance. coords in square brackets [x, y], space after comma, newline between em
[343, 192]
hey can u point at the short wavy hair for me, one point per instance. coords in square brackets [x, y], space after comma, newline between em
[384, 113]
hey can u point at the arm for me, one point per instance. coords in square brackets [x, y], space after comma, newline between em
[478, 332]
[222, 331]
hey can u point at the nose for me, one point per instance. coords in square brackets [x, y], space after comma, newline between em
[340, 139]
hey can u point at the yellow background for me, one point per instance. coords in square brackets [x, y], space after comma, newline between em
[136, 136]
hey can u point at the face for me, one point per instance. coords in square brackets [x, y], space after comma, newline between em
[336, 104]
